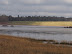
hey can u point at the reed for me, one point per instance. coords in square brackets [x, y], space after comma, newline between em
[43, 23]
[19, 45]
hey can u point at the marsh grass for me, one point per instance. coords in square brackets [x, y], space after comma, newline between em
[18, 45]
[43, 23]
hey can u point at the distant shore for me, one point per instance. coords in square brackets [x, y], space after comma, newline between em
[43, 23]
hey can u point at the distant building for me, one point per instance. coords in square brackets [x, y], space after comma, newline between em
[4, 19]
[68, 19]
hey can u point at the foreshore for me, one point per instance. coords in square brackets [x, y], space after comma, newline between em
[18, 45]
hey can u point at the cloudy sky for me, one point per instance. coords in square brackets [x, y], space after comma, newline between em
[36, 7]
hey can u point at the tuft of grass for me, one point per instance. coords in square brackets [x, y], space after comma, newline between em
[18, 45]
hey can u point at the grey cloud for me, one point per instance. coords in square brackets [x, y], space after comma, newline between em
[4, 2]
[40, 2]
[33, 7]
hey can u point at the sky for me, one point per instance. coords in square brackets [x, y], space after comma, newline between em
[36, 7]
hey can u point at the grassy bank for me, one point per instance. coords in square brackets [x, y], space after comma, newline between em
[17, 45]
[43, 23]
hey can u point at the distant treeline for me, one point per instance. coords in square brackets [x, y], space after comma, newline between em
[33, 18]
[39, 18]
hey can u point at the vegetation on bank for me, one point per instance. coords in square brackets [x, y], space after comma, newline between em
[18, 45]
[5, 18]
[43, 23]
[39, 18]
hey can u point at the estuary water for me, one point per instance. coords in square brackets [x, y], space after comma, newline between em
[38, 32]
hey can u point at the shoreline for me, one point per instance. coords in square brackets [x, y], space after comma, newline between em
[18, 45]
[55, 42]
[43, 23]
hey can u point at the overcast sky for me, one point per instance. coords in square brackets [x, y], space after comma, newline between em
[36, 7]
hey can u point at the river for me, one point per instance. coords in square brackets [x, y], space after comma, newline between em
[38, 32]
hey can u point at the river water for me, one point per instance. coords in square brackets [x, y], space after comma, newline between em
[38, 32]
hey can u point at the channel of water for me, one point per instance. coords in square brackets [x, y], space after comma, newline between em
[38, 32]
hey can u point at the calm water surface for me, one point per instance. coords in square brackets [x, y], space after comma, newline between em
[39, 32]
